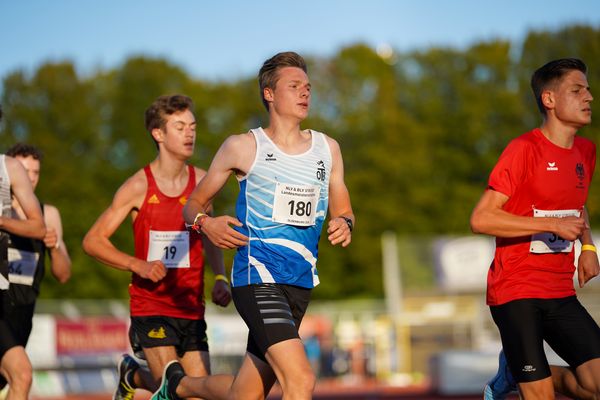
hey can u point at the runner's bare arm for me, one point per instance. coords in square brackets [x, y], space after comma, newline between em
[232, 157]
[97, 242]
[339, 200]
[33, 226]
[489, 218]
[221, 295]
[588, 266]
[59, 257]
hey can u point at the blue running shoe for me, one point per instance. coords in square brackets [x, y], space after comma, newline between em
[172, 374]
[127, 365]
[502, 384]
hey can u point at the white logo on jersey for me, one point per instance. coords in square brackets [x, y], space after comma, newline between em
[551, 166]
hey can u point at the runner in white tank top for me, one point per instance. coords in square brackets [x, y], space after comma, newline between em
[14, 180]
[274, 271]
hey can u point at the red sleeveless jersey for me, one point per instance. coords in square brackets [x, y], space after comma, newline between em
[160, 234]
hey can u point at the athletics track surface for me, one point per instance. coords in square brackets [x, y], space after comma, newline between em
[329, 392]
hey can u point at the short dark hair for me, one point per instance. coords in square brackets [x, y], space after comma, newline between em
[163, 106]
[155, 116]
[25, 150]
[268, 76]
[550, 73]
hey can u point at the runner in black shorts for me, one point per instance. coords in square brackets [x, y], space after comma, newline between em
[167, 304]
[15, 366]
[15, 184]
[535, 206]
[27, 268]
[289, 179]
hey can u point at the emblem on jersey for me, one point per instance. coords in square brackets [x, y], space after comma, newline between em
[270, 157]
[580, 171]
[551, 166]
[183, 200]
[321, 174]
[153, 200]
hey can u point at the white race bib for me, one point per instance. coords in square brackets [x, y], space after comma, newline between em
[295, 204]
[170, 247]
[21, 266]
[547, 242]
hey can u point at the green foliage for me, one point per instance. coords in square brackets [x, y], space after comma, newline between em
[419, 131]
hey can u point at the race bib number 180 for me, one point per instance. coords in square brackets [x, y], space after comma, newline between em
[295, 204]
[548, 242]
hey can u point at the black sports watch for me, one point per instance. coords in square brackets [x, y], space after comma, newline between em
[348, 222]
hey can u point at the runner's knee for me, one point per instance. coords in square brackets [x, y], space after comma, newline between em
[22, 378]
[300, 381]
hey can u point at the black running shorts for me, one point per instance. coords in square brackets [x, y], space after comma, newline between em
[15, 326]
[155, 331]
[563, 323]
[272, 312]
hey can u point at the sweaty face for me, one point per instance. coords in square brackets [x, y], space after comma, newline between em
[32, 166]
[569, 100]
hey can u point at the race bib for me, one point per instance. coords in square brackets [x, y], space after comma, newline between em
[547, 242]
[170, 247]
[21, 266]
[295, 204]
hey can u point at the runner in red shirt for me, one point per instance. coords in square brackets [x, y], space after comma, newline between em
[167, 286]
[535, 206]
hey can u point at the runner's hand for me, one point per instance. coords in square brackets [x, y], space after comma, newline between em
[221, 234]
[587, 267]
[339, 232]
[221, 295]
[153, 270]
[51, 238]
[570, 228]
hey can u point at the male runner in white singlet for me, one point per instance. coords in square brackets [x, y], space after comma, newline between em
[288, 179]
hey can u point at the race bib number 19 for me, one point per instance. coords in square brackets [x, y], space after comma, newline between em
[547, 242]
[295, 204]
[170, 247]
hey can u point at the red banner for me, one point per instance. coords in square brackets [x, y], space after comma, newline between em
[91, 336]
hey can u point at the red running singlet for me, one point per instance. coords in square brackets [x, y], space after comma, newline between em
[160, 234]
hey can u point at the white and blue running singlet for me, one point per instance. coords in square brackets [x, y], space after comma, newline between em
[5, 211]
[282, 203]
[5, 193]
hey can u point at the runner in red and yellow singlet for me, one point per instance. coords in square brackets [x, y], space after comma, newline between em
[167, 305]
